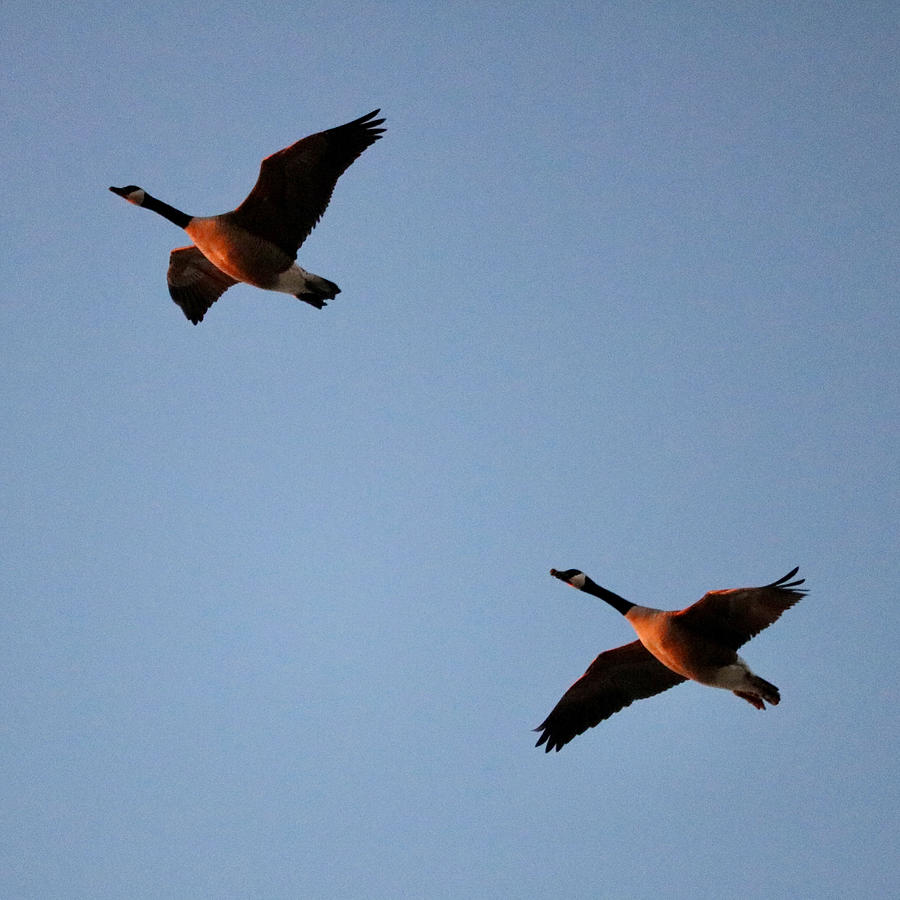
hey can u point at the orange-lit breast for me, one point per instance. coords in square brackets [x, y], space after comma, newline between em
[237, 252]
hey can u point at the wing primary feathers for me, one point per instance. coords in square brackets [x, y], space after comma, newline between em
[784, 583]
[295, 184]
[614, 680]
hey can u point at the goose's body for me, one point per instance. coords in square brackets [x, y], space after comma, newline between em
[698, 643]
[257, 243]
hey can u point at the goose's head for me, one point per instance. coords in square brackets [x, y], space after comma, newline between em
[573, 577]
[132, 193]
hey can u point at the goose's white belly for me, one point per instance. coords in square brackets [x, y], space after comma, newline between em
[292, 281]
[734, 676]
[681, 652]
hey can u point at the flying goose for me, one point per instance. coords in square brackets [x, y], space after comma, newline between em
[257, 243]
[699, 642]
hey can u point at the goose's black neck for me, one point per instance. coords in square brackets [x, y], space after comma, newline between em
[176, 216]
[614, 600]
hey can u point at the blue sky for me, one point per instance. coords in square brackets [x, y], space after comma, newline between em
[619, 293]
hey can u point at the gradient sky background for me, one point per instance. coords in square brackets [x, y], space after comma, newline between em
[619, 293]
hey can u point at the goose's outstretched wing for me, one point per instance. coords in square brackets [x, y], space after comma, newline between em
[194, 282]
[733, 617]
[295, 184]
[614, 680]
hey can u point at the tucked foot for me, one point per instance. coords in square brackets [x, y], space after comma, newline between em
[751, 698]
[312, 299]
[760, 690]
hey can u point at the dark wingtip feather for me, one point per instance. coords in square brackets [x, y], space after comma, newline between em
[549, 745]
[371, 124]
[784, 584]
[545, 733]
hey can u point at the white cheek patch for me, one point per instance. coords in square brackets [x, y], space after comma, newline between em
[136, 197]
[577, 581]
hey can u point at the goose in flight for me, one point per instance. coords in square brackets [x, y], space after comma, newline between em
[257, 243]
[699, 643]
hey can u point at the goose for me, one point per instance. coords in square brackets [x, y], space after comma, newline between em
[257, 243]
[699, 643]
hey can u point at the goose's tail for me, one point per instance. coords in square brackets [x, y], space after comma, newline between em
[317, 290]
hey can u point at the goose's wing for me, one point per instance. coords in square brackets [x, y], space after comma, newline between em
[733, 617]
[614, 680]
[295, 184]
[194, 282]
